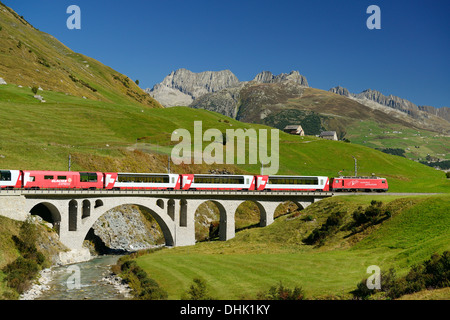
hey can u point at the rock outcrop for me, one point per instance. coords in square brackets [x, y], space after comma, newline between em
[268, 77]
[125, 229]
[182, 87]
[443, 112]
[340, 91]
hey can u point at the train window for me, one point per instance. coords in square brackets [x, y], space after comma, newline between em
[62, 177]
[383, 181]
[294, 180]
[5, 175]
[48, 177]
[143, 179]
[219, 180]
[88, 177]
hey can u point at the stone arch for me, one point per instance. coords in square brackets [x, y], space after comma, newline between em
[73, 215]
[86, 209]
[183, 213]
[266, 210]
[48, 212]
[98, 203]
[244, 219]
[152, 208]
[160, 203]
[226, 210]
[171, 208]
[286, 207]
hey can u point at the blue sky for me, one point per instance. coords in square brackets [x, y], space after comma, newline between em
[325, 40]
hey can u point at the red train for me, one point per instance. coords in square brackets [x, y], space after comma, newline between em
[24, 179]
[352, 184]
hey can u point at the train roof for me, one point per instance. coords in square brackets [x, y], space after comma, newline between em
[222, 175]
[276, 176]
[353, 177]
[146, 174]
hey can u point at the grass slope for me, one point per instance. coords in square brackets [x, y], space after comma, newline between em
[41, 136]
[29, 57]
[318, 110]
[259, 258]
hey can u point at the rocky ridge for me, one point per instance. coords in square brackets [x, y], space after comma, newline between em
[183, 87]
[367, 97]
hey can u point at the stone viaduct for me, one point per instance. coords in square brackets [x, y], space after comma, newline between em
[75, 211]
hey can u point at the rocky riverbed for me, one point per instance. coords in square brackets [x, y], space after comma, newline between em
[90, 280]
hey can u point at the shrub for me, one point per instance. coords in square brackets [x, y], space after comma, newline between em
[373, 214]
[20, 272]
[34, 89]
[433, 273]
[330, 226]
[281, 292]
[143, 286]
[197, 291]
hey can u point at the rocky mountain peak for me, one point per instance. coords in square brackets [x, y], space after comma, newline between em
[268, 77]
[340, 91]
[183, 86]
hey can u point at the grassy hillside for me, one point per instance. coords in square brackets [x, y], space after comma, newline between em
[105, 136]
[317, 110]
[29, 57]
[416, 143]
[257, 259]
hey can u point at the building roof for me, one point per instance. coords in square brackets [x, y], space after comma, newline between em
[292, 126]
[328, 133]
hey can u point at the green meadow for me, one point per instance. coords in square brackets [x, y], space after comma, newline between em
[38, 135]
[259, 258]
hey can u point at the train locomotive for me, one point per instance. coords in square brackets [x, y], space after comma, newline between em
[35, 180]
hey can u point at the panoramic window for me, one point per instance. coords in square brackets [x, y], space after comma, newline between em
[5, 175]
[88, 177]
[143, 179]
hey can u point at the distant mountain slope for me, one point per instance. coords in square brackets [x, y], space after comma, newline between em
[427, 116]
[370, 118]
[29, 57]
[278, 100]
[288, 101]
